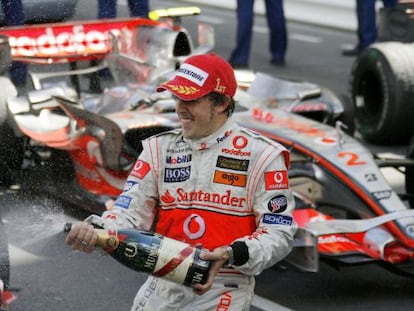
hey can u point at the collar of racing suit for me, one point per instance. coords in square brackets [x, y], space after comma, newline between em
[215, 138]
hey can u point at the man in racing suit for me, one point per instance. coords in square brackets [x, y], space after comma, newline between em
[211, 183]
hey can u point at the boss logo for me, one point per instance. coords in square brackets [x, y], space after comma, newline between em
[177, 174]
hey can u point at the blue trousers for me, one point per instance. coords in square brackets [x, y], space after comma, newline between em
[14, 15]
[277, 26]
[107, 8]
[367, 23]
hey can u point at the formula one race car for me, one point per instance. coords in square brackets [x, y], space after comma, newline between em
[81, 148]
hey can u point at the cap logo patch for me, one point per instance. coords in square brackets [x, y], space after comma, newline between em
[193, 74]
[183, 90]
[219, 88]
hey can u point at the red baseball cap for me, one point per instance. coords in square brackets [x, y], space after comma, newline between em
[199, 75]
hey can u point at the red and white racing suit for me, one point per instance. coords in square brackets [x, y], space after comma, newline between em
[230, 186]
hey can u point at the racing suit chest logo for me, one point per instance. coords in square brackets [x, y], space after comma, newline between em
[185, 158]
[178, 174]
[232, 164]
[224, 200]
[239, 142]
[231, 179]
[194, 227]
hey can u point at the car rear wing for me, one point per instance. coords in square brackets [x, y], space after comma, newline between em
[80, 40]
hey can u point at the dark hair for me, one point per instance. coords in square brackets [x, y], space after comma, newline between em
[220, 99]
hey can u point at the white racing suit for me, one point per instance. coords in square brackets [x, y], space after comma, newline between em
[230, 186]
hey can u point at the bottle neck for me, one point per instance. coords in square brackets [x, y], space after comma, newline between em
[106, 240]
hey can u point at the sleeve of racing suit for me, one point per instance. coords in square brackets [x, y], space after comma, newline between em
[273, 203]
[136, 206]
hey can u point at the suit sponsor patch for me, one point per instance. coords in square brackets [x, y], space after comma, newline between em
[123, 201]
[274, 219]
[276, 180]
[232, 164]
[277, 204]
[184, 158]
[140, 169]
[231, 179]
[177, 174]
[128, 185]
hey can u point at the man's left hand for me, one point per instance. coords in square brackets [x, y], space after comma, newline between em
[218, 258]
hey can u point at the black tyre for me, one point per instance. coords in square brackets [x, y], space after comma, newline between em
[382, 89]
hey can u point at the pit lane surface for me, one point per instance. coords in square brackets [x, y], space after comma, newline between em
[50, 276]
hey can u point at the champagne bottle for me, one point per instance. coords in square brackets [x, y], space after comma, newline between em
[155, 254]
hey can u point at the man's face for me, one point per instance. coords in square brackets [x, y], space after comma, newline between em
[199, 118]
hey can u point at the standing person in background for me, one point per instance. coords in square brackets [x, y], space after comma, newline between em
[367, 25]
[107, 8]
[14, 16]
[278, 32]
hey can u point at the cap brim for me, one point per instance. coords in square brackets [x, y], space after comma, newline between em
[183, 92]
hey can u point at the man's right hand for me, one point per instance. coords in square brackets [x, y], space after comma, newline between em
[83, 237]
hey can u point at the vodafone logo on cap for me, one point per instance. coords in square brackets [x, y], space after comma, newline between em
[276, 180]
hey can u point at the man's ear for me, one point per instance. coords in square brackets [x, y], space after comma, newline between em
[223, 106]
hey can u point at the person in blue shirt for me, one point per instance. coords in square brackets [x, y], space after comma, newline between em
[107, 8]
[278, 32]
[14, 16]
[367, 25]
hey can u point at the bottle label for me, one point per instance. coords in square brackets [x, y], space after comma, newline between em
[137, 250]
[161, 256]
[174, 260]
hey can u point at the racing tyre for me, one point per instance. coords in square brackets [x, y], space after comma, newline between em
[382, 86]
